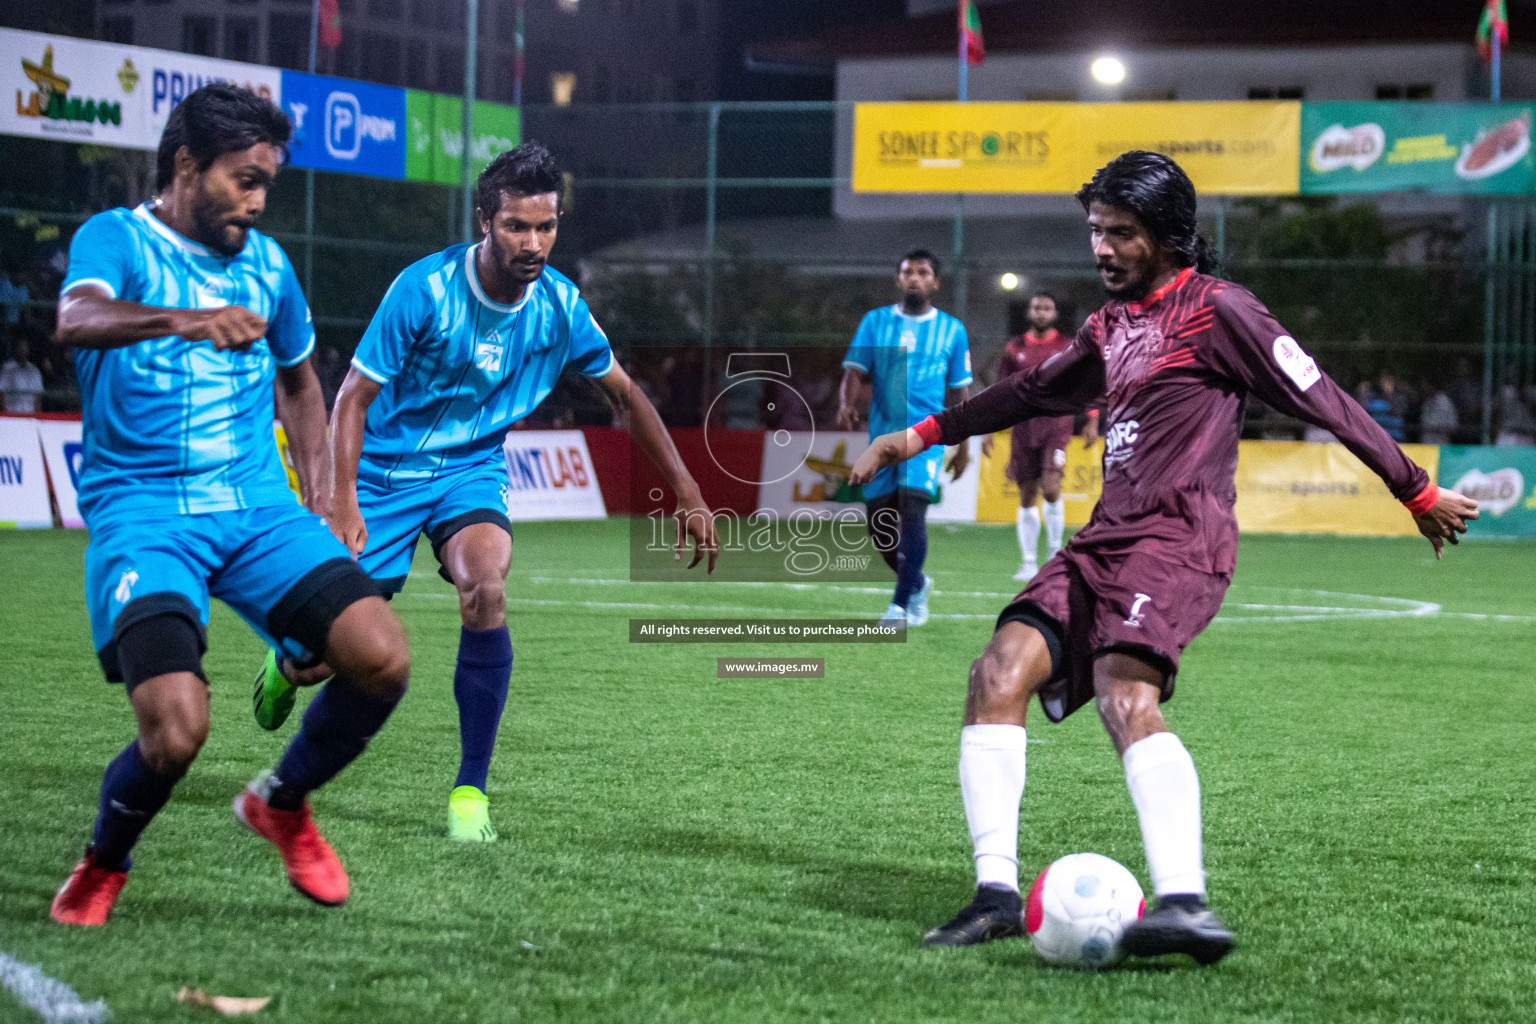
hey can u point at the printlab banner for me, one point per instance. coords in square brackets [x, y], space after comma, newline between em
[436, 136]
[1502, 479]
[341, 125]
[1442, 147]
[23, 483]
[549, 476]
[78, 90]
[1227, 148]
[63, 452]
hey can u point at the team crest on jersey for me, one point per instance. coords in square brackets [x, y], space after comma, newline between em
[488, 354]
[1294, 360]
[1134, 619]
[125, 586]
[908, 341]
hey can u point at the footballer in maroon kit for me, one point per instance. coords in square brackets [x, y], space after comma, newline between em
[1174, 355]
[1037, 450]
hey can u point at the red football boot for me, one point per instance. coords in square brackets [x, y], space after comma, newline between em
[312, 866]
[87, 897]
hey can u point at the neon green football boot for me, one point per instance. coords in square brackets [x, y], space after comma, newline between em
[469, 819]
[274, 696]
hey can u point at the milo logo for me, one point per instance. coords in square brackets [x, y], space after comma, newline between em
[1497, 492]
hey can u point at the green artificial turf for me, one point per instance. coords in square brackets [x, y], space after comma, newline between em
[677, 847]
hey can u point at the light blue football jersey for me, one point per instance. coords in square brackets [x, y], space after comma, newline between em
[911, 362]
[457, 370]
[172, 424]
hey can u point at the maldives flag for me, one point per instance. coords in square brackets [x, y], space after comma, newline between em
[970, 33]
[1494, 22]
[330, 24]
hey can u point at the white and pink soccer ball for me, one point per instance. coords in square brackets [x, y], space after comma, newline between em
[1078, 909]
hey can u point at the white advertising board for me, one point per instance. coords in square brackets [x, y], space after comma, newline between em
[806, 470]
[23, 484]
[62, 451]
[550, 476]
[79, 90]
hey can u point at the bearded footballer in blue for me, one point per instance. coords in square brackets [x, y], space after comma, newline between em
[912, 360]
[465, 344]
[183, 317]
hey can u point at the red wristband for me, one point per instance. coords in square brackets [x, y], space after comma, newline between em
[1094, 413]
[929, 431]
[1424, 500]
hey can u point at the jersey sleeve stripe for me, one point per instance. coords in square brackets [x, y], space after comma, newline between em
[962, 383]
[851, 365]
[299, 358]
[607, 368]
[371, 374]
[105, 286]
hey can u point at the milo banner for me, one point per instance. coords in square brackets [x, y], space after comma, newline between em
[1229, 148]
[1503, 482]
[1441, 147]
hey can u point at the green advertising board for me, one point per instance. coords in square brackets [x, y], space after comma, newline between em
[1440, 147]
[435, 136]
[1502, 479]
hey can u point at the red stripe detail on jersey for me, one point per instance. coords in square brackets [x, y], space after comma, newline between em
[1161, 293]
[1197, 323]
[1424, 500]
[1034, 907]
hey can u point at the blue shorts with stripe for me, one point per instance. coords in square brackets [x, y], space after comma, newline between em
[398, 514]
[251, 559]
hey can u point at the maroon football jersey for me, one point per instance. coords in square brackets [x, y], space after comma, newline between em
[1175, 371]
[1024, 352]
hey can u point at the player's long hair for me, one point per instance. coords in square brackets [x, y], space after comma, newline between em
[1161, 196]
[215, 119]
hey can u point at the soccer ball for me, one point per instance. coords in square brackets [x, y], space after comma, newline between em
[1078, 909]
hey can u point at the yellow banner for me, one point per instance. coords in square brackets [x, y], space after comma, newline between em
[1243, 148]
[1282, 487]
[1296, 487]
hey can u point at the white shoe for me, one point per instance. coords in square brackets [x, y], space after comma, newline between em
[917, 607]
[895, 617]
[1026, 572]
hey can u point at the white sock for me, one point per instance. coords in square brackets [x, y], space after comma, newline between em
[1029, 533]
[1055, 525]
[992, 784]
[1166, 792]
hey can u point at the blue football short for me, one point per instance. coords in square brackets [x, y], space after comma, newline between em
[248, 558]
[918, 474]
[397, 515]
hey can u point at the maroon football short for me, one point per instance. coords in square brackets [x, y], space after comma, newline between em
[1038, 446]
[1088, 603]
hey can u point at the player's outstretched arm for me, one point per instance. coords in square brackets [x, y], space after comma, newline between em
[347, 421]
[887, 450]
[301, 408]
[639, 416]
[90, 318]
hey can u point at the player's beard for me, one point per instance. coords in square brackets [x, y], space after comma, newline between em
[511, 267]
[1133, 288]
[223, 234]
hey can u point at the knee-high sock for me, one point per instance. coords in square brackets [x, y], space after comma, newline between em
[992, 784]
[1166, 792]
[1055, 525]
[338, 724]
[480, 688]
[1029, 534]
[132, 793]
[913, 551]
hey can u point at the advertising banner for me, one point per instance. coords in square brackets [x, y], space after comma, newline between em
[79, 90]
[341, 125]
[1501, 479]
[957, 498]
[23, 483]
[435, 141]
[1081, 482]
[1441, 147]
[549, 476]
[809, 470]
[1227, 148]
[62, 451]
[1299, 487]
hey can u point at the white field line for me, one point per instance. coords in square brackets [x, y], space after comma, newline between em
[54, 1000]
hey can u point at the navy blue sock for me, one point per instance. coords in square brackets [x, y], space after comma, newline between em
[338, 724]
[132, 793]
[913, 551]
[480, 687]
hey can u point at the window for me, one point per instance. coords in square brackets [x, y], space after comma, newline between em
[1416, 91]
[450, 69]
[240, 39]
[568, 6]
[1150, 95]
[1051, 96]
[687, 17]
[119, 3]
[381, 58]
[288, 41]
[385, 10]
[1284, 92]
[562, 86]
[416, 72]
[117, 30]
[197, 35]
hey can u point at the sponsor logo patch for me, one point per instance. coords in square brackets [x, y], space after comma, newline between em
[1297, 365]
